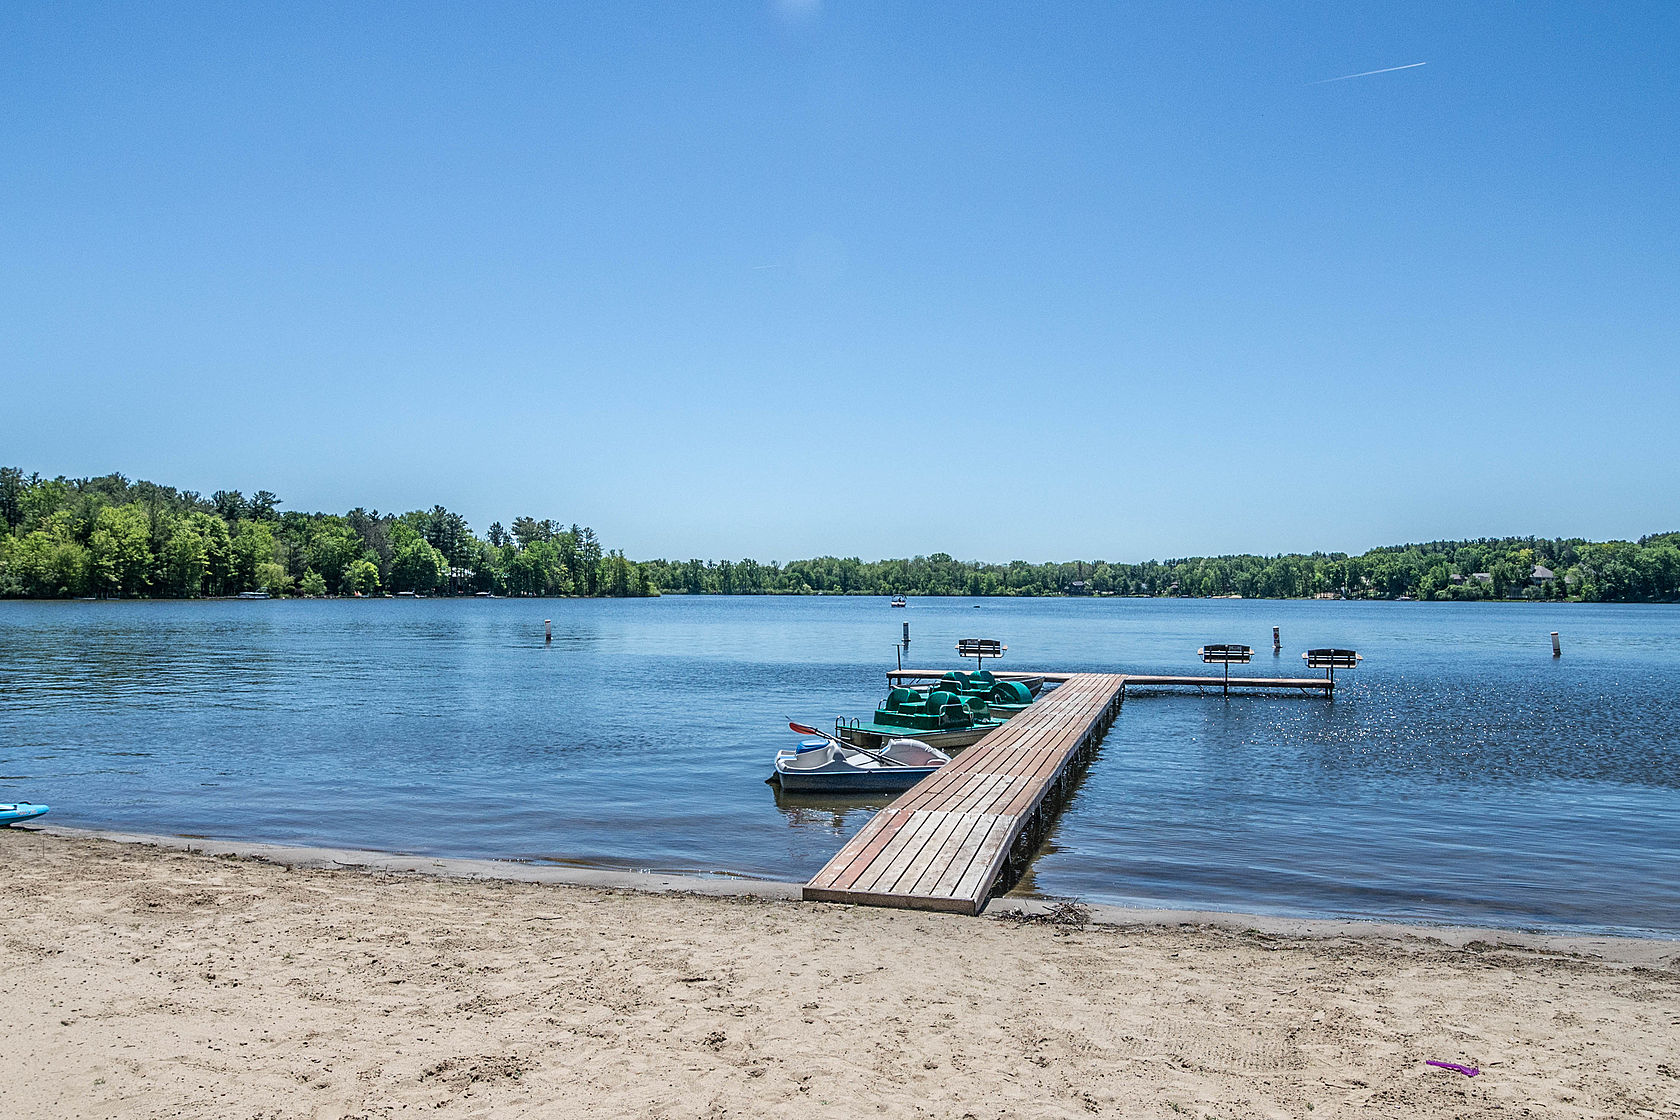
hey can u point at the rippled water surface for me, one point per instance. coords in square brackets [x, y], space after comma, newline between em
[1461, 774]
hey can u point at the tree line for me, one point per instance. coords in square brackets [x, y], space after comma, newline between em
[108, 536]
[1504, 568]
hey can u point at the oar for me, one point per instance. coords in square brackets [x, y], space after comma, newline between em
[805, 730]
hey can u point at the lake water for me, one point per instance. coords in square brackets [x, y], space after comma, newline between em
[1461, 774]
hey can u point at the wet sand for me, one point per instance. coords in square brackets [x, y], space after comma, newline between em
[145, 981]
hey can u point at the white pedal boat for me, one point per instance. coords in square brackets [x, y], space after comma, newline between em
[826, 766]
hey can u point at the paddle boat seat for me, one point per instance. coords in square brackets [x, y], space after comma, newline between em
[814, 759]
[903, 700]
[1011, 692]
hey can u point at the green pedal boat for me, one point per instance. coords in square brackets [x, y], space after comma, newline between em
[1003, 698]
[943, 720]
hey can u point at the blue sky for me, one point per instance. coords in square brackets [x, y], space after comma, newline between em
[772, 280]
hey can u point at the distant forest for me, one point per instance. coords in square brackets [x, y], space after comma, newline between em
[109, 537]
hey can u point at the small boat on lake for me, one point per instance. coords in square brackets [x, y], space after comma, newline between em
[20, 811]
[1003, 698]
[828, 766]
[938, 718]
[900, 601]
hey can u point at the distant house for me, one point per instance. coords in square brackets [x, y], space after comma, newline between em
[1079, 587]
[1455, 578]
[1482, 577]
[1542, 574]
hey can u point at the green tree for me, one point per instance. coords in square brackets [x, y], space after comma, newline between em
[183, 558]
[361, 578]
[13, 486]
[231, 505]
[616, 577]
[122, 557]
[48, 563]
[415, 564]
[253, 546]
[41, 499]
[262, 505]
[271, 577]
[333, 546]
[588, 560]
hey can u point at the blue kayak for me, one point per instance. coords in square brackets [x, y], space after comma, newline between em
[22, 811]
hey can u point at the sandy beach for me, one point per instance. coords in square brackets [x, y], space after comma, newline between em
[142, 981]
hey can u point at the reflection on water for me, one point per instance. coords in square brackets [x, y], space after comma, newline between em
[839, 815]
[1460, 773]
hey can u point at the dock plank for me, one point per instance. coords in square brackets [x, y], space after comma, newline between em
[843, 870]
[962, 858]
[988, 860]
[899, 853]
[968, 825]
[926, 854]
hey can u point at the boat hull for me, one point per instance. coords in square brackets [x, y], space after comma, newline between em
[857, 781]
[21, 811]
[829, 767]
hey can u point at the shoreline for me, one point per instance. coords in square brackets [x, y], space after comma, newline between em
[678, 593]
[1641, 949]
[162, 980]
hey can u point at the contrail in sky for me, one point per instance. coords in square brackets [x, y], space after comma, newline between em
[1368, 73]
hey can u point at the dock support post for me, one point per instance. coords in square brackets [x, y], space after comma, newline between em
[548, 631]
[906, 633]
[1557, 649]
[1277, 642]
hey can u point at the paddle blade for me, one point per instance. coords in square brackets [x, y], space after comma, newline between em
[803, 729]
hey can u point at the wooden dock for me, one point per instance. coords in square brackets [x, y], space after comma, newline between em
[1232, 684]
[898, 676]
[943, 844]
[1144, 680]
